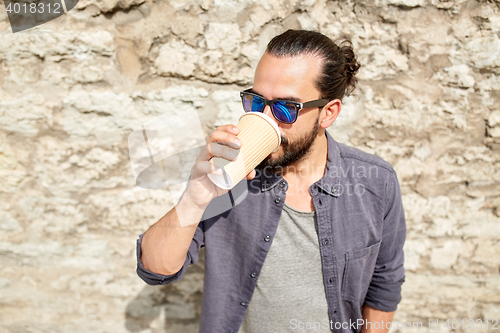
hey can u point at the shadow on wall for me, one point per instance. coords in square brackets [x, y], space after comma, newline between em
[174, 307]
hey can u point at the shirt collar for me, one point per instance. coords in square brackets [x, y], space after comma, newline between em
[329, 183]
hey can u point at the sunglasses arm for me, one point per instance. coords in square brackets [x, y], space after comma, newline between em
[316, 103]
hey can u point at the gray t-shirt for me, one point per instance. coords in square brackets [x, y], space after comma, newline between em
[290, 293]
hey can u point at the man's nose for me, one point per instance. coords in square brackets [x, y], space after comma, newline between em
[267, 111]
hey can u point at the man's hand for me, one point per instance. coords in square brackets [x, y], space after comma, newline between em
[223, 142]
[375, 318]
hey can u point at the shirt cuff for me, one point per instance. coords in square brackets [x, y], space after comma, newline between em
[384, 296]
[149, 277]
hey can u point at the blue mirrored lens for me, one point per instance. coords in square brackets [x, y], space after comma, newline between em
[253, 104]
[284, 111]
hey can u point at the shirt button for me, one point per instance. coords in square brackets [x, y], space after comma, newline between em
[282, 184]
[267, 238]
[320, 202]
[277, 200]
[325, 242]
[253, 275]
[243, 303]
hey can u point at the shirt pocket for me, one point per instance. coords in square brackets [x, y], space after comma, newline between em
[358, 272]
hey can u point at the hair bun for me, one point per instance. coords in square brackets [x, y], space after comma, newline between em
[337, 59]
[351, 66]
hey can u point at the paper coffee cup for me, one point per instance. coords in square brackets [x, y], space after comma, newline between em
[260, 136]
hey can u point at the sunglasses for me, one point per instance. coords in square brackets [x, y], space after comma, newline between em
[283, 110]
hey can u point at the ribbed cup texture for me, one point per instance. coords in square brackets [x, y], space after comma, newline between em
[258, 138]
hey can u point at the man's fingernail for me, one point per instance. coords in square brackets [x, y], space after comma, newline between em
[238, 142]
[234, 153]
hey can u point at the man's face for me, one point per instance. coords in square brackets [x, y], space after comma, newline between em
[291, 79]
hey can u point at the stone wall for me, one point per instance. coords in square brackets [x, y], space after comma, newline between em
[73, 89]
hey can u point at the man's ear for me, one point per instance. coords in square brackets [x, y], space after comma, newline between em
[329, 113]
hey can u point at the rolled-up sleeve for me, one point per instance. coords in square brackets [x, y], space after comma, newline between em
[384, 292]
[191, 258]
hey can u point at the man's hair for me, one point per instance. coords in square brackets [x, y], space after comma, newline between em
[338, 62]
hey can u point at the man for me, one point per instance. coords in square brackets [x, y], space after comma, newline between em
[317, 243]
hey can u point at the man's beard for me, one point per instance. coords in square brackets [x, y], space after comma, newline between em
[293, 152]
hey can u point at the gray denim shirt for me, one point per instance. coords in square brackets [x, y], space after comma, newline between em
[361, 228]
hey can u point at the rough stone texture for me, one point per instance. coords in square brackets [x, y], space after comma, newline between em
[73, 89]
